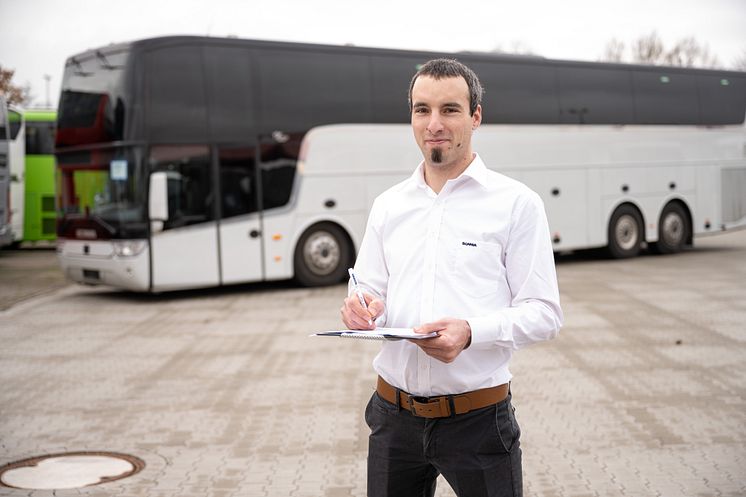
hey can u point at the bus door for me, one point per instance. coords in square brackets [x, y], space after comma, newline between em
[278, 160]
[241, 258]
[184, 252]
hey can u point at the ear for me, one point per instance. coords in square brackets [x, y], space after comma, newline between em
[476, 118]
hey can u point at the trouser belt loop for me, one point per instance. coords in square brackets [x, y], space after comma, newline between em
[398, 399]
[452, 406]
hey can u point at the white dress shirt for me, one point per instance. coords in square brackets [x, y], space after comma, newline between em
[479, 250]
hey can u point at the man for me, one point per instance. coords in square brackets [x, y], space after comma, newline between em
[463, 251]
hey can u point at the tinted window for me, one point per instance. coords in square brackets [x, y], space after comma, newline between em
[595, 96]
[391, 77]
[665, 97]
[230, 93]
[518, 93]
[190, 191]
[79, 109]
[278, 170]
[15, 120]
[300, 89]
[238, 181]
[39, 138]
[722, 99]
[92, 104]
[175, 95]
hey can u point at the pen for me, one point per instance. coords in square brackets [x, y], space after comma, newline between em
[358, 292]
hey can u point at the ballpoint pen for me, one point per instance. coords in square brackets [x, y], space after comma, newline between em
[358, 292]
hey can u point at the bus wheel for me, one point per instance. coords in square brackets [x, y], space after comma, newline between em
[673, 229]
[322, 256]
[625, 232]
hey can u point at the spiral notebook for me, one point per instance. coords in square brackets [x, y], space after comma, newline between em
[377, 334]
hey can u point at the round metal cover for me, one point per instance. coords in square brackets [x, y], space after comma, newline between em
[69, 470]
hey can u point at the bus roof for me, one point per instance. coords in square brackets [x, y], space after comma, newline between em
[166, 41]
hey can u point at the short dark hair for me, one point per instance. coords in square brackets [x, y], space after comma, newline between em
[450, 68]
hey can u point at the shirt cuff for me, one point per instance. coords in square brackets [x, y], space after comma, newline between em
[486, 331]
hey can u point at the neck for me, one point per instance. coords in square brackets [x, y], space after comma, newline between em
[436, 175]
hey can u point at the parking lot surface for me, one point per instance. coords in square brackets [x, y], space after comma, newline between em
[222, 392]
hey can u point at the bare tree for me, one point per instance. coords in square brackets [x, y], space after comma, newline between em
[516, 47]
[14, 93]
[739, 64]
[614, 51]
[689, 53]
[648, 49]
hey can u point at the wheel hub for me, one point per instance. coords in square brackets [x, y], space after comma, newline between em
[627, 234]
[322, 253]
[673, 230]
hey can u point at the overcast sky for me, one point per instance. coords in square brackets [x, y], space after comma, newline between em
[36, 36]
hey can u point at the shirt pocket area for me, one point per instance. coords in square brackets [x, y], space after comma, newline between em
[476, 267]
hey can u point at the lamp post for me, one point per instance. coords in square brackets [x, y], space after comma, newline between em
[47, 78]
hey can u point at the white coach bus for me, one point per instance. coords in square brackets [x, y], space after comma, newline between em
[187, 162]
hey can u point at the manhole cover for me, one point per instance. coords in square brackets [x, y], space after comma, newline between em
[69, 470]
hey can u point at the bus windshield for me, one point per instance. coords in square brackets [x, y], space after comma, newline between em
[91, 106]
[101, 194]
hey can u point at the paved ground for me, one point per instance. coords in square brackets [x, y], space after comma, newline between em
[223, 394]
[27, 273]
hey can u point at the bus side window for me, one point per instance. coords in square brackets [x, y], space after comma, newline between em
[190, 189]
[237, 181]
[278, 170]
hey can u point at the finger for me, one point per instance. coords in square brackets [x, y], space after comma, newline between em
[356, 323]
[376, 307]
[353, 304]
[430, 327]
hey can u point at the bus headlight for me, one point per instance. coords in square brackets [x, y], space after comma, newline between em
[130, 248]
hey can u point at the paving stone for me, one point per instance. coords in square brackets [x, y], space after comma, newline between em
[222, 392]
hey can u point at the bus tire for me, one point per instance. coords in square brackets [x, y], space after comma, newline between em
[673, 229]
[322, 255]
[625, 232]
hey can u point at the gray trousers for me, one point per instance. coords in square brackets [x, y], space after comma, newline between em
[478, 453]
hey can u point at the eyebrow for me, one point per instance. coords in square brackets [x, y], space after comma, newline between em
[449, 105]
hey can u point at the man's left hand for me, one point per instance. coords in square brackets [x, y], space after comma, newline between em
[454, 335]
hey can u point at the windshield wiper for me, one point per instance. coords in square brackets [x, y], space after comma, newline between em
[104, 62]
[78, 67]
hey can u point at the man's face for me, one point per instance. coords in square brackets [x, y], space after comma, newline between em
[441, 121]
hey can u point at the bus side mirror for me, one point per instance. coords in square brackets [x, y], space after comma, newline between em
[158, 201]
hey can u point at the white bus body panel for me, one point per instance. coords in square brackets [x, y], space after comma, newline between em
[581, 173]
[240, 254]
[185, 257]
[17, 162]
[587, 165]
[96, 263]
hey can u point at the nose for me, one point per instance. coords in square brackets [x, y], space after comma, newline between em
[435, 126]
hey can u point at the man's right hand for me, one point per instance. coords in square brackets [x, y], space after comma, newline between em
[355, 317]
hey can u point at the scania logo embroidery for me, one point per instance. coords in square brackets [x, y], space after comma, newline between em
[469, 244]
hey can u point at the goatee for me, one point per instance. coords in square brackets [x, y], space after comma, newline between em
[436, 155]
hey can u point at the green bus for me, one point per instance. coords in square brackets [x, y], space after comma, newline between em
[39, 220]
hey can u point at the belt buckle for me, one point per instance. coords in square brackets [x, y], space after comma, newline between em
[410, 401]
[444, 402]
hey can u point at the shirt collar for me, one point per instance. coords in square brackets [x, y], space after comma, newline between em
[476, 170]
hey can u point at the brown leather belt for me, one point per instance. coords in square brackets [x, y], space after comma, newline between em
[442, 406]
